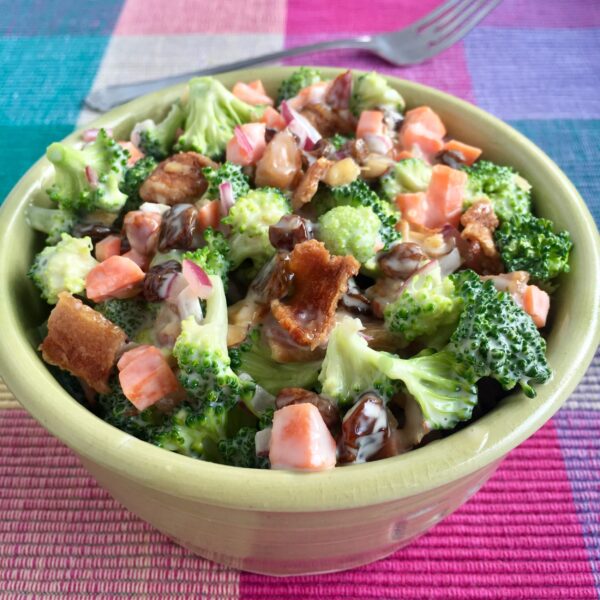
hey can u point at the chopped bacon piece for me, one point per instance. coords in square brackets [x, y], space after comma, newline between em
[338, 95]
[82, 341]
[177, 179]
[479, 222]
[309, 183]
[319, 281]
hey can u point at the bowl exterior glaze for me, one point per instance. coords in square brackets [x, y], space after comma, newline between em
[278, 522]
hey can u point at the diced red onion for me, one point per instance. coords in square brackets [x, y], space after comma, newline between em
[173, 287]
[226, 197]
[262, 441]
[154, 207]
[90, 135]
[450, 262]
[243, 141]
[379, 144]
[188, 305]
[91, 176]
[296, 128]
[297, 123]
[197, 279]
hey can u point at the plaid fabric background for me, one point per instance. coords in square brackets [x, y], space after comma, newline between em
[533, 531]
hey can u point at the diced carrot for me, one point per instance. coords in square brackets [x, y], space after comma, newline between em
[257, 86]
[116, 277]
[536, 303]
[134, 153]
[423, 128]
[145, 376]
[272, 119]
[471, 153]
[107, 247]
[312, 94]
[445, 196]
[250, 94]
[413, 207]
[370, 122]
[209, 215]
[300, 439]
[399, 154]
[141, 260]
[247, 145]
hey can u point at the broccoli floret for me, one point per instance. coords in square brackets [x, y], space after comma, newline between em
[194, 431]
[250, 218]
[358, 193]
[254, 358]
[299, 79]
[496, 338]
[351, 230]
[157, 140]
[406, 177]
[131, 314]
[63, 268]
[212, 113]
[372, 91]
[201, 353]
[230, 172]
[338, 140]
[425, 306]
[351, 368]
[528, 243]
[88, 179]
[213, 257]
[116, 409]
[53, 221]
[507, 190]
[240, 450]
[133, 180]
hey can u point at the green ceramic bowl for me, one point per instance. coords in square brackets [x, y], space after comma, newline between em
[279, 522]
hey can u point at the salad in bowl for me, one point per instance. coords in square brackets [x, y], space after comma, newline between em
[305, 281]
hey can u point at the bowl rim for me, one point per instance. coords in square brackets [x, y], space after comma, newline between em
[438, 464]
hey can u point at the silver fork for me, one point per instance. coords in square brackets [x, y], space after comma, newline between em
[429, 36]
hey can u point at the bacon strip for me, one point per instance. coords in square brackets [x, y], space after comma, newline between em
[319, 282]
[309, 183]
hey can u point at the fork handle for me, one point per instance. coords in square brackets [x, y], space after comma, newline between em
[105, 98]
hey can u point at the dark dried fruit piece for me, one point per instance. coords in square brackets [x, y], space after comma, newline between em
[158, 279]
[402, 260]
[289, 231]
[96, 231]
[328, 409]
[179, 229]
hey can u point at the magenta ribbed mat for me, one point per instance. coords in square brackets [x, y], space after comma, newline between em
[519, 537]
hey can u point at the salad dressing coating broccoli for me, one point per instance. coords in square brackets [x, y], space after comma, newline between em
[240, 450]
[157, 140]
[133, 180]
[406, 177]
[212, 114]
[88, 179]
[53, 221]
[250, 218]
[63, 268]
[130, 314]
[227, 172]
[528, 243]
[371, 91]
[299, 79]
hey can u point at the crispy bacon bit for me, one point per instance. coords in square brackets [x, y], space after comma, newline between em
[82, 341]
[338, 95]
[309, 183]
[319, 282]
[328, 121]
[177, 179]
[479, 222]
[328, 410]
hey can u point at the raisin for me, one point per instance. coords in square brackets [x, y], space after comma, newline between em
[180, 229]
[289, 231]
[328, 409]
[402, 260]
[158, 279]
[96, 231]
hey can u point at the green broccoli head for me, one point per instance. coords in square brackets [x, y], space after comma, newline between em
[372, 91]
[351, 230]
[63, 268]
[496, 338]
[213, 257]
[240, 184]
[53, 221]
[212, 113]
[507, 190]
[193, 431]
[299, 79]
[240, 450]
[425, 306]
[358, 193]
[88, 179]
[157, 140]
[406, 177]
[117, 410]
[351, 368]
[201, 352]
[250, 218]
[528, 243]
[254, 358]
[132, 315]
[133, 180]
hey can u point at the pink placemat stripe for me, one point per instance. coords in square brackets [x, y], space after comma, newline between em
[519, 537]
